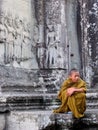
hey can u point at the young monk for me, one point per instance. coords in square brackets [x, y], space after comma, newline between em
[73, 95]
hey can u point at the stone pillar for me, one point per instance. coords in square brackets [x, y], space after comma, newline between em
[15, 34]
[39, 32]
[73, 45]
[89, 40]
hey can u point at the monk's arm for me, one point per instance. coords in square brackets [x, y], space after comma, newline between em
[78, 90]
[72, 90]
[81, 87]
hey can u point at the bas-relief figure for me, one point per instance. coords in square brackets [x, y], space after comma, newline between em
[3, 35]
[3, 31]
[54, 50]
[10, 38]
[26, 45]
[18, 24]
[26, 42]
[51, 52]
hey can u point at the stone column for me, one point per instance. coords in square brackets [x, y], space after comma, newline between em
[73, 45]
[89, 40]
[39, 32]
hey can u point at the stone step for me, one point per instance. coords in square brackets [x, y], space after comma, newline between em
[25, 87]
[43, 101]
[45, 120]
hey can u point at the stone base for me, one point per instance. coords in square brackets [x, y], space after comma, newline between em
[46, 120]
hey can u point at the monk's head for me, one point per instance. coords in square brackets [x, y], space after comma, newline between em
[74, 75]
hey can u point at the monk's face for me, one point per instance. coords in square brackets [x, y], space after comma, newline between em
[75, 76]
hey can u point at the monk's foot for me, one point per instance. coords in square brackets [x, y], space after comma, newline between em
[79, 117]
[56, 111]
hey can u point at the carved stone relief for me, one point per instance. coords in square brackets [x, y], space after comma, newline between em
[16, 50]
[3, 35]
[54, 49]
[18, 25]
[10, 38]
[54, 46]
[26, 48]
[3, 31]
[47, 48]
[15, 33]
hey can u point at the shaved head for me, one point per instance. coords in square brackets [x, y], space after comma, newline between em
[73, 70]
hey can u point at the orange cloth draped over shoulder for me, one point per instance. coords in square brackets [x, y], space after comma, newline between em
[76, 102]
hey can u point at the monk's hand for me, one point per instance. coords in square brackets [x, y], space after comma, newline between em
[70, 91]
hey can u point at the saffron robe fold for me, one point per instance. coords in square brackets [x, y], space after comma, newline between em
[76, 102]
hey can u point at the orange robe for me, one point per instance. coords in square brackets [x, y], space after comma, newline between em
[76, 102]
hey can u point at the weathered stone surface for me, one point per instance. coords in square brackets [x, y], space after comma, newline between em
[30, 81]
[40, 40]
[42, 120]
[89, 34]
[2, 121]
[39, 100]
[15, 34]
[53, 45]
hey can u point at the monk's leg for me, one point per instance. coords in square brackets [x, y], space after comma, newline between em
[72, 106]
[63, 107]
[80, 99]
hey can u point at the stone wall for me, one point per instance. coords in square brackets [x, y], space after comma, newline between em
[37, 35]
[89, 26]
[40, 41]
